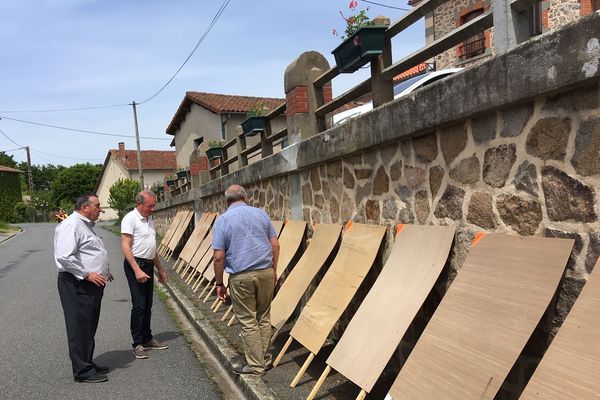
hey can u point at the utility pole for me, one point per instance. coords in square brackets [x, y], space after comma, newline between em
[137, 141]
[30, 177]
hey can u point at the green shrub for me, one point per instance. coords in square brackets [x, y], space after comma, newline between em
[9, 195]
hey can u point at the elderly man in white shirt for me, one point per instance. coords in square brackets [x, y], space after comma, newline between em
[82, 264]
[138, 242]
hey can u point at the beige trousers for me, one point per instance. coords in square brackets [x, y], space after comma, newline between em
[251, 294]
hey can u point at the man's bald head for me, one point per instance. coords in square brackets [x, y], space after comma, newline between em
[235, 193]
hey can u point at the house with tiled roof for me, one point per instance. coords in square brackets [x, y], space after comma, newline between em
[123, 164]
[537, 18]
[214, 116]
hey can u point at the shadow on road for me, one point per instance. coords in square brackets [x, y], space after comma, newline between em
[116, 359]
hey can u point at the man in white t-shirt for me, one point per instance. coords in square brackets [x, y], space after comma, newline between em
[138, 242]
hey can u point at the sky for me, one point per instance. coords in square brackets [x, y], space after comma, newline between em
[65, 54]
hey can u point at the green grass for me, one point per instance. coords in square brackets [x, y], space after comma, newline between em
[7, 228]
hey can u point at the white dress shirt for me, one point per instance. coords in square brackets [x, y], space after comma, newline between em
[77, 248]
[143, 232]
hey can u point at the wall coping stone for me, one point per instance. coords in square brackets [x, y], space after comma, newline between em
[549, 64]
[184, 198]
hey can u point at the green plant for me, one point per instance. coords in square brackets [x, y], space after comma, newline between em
[354, 22]
[257, 110]
[122, 195]
[211, 144]
[10, 194]
[24, 212]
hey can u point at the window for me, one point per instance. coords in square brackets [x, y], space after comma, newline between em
[475, 45]
[535, 25]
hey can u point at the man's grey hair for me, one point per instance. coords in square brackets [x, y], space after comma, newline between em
[235, 193]
[143, 195]
[84, 200]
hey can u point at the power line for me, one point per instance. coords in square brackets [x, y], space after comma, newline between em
[206, 32]
[68, 158]
[6, 136]
[387, 6]
[77, 130]
[210, 26]
[63, 109]
[11, 150]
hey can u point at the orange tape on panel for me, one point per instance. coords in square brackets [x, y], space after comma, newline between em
[477, 238]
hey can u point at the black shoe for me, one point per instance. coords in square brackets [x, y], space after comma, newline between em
[245, 370]
[102, 370]
[96, 378]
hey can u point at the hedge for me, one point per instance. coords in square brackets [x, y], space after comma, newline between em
[10, 194]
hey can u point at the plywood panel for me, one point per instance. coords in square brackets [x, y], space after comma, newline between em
[289, 241]
[324, 239]
[172, 228]
[203, 249]
[197, 237]
[484, 320]
[412, 268]
[278, 225]
[570, 369]
[358, 250]
[185, 221]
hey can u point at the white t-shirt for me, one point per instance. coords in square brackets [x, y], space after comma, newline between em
[143, 232]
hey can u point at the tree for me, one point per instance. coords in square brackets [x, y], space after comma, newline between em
[122, 195]
[7, 160]
[42, 175]
[73, 181]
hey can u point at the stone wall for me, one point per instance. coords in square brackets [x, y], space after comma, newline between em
[273, 195]
[510, 146]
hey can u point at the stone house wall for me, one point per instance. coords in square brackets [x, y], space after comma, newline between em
[446, 17]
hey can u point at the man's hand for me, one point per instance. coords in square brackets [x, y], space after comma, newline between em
[96, 278]
[162, 276]
[222, 293]
[141, 276]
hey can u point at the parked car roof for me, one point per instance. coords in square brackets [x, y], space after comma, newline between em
[400, 89]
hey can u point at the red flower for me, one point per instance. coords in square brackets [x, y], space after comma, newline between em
[353, 4]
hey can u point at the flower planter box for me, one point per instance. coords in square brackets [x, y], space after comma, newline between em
[254, 125]
[182, 174]
[214, 153]
[171, 183]
[360, 48]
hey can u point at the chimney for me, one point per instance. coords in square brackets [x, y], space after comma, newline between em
[121, 153]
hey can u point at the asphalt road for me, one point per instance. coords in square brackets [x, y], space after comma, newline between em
[34, 362]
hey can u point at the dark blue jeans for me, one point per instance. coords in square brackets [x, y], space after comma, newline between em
[141, 300]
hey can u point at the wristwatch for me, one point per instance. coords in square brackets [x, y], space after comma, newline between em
[219, 284]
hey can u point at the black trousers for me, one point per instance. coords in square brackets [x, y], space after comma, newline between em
[141, 301]
[81, 302]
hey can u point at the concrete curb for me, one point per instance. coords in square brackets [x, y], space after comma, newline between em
[4, 238]
[253, 387]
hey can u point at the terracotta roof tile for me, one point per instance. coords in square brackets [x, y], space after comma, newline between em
[219, 103]
[4, 168]
[416, 70]
[151, 159]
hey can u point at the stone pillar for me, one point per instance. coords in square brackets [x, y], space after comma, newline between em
[300, 95]
[199, 167]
